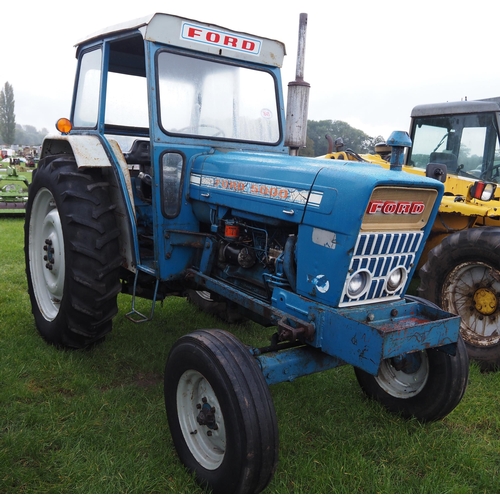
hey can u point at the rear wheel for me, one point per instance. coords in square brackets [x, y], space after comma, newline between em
[462, 276]
[71, 249]
[220, 413]
[426, 385]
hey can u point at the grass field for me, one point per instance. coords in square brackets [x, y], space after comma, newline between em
[94, 422]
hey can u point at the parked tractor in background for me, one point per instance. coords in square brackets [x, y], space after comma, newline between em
[13, 191]
[458, 143]
[173, 175]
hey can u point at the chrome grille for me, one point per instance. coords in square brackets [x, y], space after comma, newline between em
[379, 254]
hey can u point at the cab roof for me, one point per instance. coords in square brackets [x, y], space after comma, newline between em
[202, 37]
[459, 107]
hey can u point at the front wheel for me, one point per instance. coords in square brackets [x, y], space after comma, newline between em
[462, 276]
[220, 413]
[426, 385]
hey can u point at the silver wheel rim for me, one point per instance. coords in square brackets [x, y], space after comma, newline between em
[204, 295]
[46, 254]
[403, 384]
[206, 442]
[471, 291]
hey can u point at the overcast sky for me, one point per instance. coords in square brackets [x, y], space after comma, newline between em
[368, 62]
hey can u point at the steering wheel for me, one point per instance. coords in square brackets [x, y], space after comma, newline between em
[194, 130]
[219, 131]
[495, 171]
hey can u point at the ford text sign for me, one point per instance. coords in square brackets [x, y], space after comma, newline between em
[218, 38]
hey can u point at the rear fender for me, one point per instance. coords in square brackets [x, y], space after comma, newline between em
[90, 152]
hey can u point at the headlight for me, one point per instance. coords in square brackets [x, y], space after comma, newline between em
[359, 282]
[395, 280]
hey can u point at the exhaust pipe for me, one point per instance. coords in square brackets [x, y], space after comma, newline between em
[298, 98]
[398, 140]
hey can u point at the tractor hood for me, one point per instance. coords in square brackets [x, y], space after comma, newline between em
[309, 188]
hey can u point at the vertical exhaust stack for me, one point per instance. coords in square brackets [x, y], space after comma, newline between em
[298, 98]
[398, 140]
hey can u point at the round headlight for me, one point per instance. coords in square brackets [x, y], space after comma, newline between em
[358, 284]
[396, 279]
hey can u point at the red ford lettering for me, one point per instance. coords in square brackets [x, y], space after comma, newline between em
[193, 32]
[231, 41]
[213, 37]
[248, 45]
[404, 207]
[389, 207]
[418, 207]
[201, 34]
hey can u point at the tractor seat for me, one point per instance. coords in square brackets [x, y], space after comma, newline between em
[139, 154]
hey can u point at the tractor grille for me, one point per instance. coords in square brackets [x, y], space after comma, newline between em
[379, 254]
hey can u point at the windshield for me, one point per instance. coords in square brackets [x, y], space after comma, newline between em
[466, 144]
[211, 99]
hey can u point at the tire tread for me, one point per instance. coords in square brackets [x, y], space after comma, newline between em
[91, 253]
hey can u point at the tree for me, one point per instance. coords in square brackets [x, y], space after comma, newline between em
[353, 138]
[27, 135]
[7, 116]
[309, 149]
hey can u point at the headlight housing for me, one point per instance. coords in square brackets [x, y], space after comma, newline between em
[359, 283]
[395, 280]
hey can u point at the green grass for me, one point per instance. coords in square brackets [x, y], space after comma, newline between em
[94, 422]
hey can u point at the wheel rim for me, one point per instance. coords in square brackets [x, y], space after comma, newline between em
[46, 254]
[471, 291]
[201, 420]
[204, 295]
[405, 376]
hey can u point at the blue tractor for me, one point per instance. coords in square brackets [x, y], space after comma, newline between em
[174, 176]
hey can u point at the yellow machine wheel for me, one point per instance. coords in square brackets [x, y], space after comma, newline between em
[462, 275]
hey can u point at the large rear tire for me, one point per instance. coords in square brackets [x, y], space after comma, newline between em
[220, 413]
[71, 253]
[462, 276]
[426, 385]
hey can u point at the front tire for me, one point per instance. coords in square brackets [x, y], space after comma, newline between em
[71, 253]
[462, 276]
[426, 385]
[220, 413]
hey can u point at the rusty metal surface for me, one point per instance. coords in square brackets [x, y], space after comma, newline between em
[287, 365]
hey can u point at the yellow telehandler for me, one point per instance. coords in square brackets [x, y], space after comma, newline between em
[457, 143]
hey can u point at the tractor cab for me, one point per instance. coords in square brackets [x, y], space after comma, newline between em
[463, 136]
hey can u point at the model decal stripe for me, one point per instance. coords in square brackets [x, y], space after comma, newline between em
[261, 190]
[195, 179]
